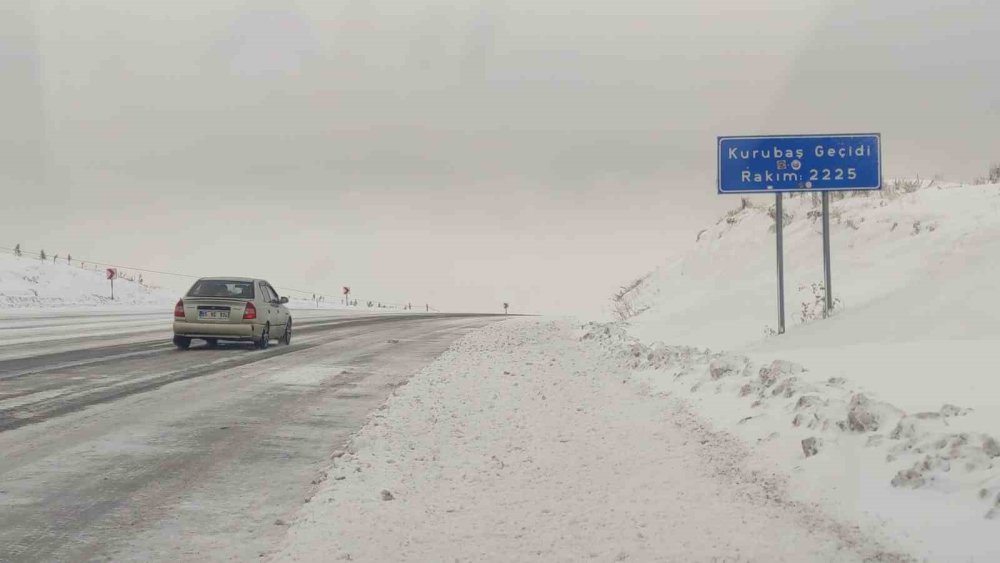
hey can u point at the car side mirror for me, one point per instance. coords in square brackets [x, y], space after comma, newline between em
[284, 300]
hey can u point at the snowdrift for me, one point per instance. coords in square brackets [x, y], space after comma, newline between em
[890, 407]
[27, 282]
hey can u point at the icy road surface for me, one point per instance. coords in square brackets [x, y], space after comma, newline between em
[117, 446]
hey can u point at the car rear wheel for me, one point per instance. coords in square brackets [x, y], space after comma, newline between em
[265, 337]
[182, 342]
[287, 340]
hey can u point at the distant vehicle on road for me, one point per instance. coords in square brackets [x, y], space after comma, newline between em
[240, 309]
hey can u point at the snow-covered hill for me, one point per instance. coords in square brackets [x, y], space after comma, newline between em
[895, 392]
[937, 242]
[915, 275]
[27, 282]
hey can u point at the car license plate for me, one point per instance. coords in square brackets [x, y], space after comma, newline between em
[213, 315]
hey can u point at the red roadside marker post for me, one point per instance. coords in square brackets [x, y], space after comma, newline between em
[112, 273]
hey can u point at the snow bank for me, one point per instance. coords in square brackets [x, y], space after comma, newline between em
[524, 442]
[28, 282]
[891, 398]
[856, 454]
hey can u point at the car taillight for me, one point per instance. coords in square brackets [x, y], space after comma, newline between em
[179, 309]
[250, 312]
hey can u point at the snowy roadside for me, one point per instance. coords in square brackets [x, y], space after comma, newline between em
[931, 475]
[525, 441]
[31, 285]
[886, 410]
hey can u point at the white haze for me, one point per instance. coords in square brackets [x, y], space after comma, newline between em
[456, 154]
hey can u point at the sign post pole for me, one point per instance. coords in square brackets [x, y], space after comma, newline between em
[111, 274]
[828, 302]
[779, 219]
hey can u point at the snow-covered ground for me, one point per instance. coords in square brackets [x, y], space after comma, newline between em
[30, 287]
[307, 304]
[896, 387]
[526, 442]
[690, 432]
[29, 284]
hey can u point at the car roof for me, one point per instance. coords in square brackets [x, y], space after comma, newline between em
[230, 278]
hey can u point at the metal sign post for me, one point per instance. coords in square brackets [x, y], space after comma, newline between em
[800, 163]
[779, 218]
[828, 300]
[112, 273]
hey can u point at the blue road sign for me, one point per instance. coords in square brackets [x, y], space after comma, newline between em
[799, 163]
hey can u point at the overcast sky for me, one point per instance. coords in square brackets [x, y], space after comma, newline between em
[456, 153]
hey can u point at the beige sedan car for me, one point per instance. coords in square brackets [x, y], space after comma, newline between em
[241, 309]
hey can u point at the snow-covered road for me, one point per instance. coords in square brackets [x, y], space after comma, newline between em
[524, 443]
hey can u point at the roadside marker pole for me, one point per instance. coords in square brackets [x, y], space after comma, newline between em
[779, 218]
[828, 303]
[111, 274]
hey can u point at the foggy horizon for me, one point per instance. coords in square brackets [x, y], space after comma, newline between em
[461, 156]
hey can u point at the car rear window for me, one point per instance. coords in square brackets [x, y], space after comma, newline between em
[222, 288]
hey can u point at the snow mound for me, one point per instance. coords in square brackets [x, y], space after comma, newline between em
[921, 448]
[27, 282]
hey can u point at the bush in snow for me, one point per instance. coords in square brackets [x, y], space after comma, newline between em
[42, 256]
[993, 177]
[786, 217]
[812, 309]
[622, 301]
[903, 186]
